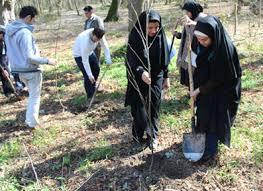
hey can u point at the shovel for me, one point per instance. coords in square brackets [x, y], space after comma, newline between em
[11, 84]
[193, 143]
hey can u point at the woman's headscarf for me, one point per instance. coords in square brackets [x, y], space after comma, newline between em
[136, 41]
[225, 63]
[193, 7]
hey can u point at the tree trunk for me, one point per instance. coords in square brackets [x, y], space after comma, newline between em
[76, 7]
[69, 5]
[113, 14]
[134, 8]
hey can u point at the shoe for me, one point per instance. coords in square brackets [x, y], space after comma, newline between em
[100, 89]
[153, 144]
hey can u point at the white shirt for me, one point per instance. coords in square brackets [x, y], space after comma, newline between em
[84, 46]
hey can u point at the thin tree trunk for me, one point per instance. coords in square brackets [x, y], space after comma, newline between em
[135, 7]
[113, 14]
[260, 12]
[236, 18]
[76, 7]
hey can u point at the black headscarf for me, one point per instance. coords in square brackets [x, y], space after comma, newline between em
[225, 64]
[193, 7]
[135, 41]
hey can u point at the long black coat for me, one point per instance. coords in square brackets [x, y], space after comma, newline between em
[218, 76]
[136, 61]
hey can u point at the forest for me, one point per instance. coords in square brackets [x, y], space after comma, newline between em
[75, 148]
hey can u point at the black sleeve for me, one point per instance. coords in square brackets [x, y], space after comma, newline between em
[165, 73]
[208, 87]
[134, 63]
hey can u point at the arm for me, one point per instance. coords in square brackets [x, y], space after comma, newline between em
[105, 46]
[205, 89]
[208, 87]
[30, 50]
[85, 57]
[101, 24]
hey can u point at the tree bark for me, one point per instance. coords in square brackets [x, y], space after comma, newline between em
[135, 7]
[113, 14]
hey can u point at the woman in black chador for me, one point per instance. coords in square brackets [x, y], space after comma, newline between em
[138, 74]
[217, 82]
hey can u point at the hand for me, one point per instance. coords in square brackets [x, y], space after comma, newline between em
[185, 20]
[92, 79]
[166, 83]
[195, 93]
[5, 73]
[146, 77]
[51, 62]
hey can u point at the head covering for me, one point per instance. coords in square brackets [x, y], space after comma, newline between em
[136, 42]
[153, 16]
[193, 7]
[198, 33]
[137, 56]
[225, 64]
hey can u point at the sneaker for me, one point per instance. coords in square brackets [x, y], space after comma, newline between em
[154, 144]
[100, 89]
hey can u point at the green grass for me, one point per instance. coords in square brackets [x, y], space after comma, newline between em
[252, 79]
[9, 150]
[79, 100]
[101, 150]
[45, 137]
[116, 75]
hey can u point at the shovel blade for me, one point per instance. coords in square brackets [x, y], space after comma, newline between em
[193, 146]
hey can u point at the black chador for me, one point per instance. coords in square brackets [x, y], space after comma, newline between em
[137, 89]
[218, 77]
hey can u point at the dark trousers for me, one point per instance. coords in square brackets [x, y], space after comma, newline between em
[139, 113]
[95, 69]
[7, 89]
[211, 144]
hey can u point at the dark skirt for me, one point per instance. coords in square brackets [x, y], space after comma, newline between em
[139, 110]
[216, 112]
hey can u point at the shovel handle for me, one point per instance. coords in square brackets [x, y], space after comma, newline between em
[190, 73]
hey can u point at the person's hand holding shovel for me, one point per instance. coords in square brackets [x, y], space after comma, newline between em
[194, 93]
[166, 83]
[5, 73]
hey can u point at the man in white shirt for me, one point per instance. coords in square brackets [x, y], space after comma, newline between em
[85, 58]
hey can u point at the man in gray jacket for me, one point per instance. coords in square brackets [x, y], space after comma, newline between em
[25, 59]
[93, 21]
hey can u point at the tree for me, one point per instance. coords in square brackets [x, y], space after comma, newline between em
[7, 10]
[135, 7]
[113, 14]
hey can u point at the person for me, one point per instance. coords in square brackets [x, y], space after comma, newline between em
[139, 78]
[25, 60]
[193, 12]
[85, 58]
[5, 68]
[93, 21]
[217, 83]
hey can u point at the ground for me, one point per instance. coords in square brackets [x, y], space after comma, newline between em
[76, 149]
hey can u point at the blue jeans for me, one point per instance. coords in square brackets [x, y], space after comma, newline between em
[95, 69]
